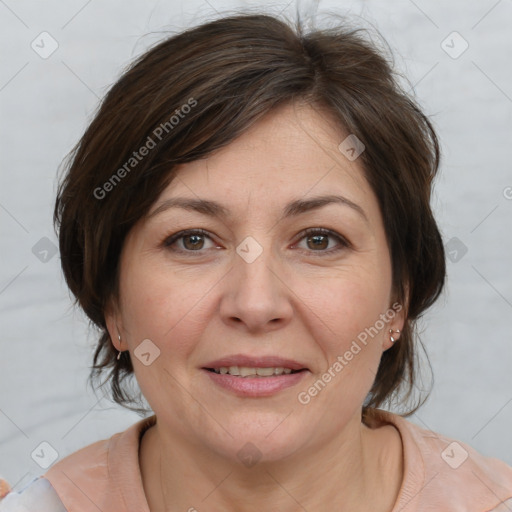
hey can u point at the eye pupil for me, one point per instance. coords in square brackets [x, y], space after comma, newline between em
[197, 241]
[319, 241]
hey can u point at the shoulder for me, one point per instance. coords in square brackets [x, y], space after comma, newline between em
[104, 475]
[444, 474]
[82, 474]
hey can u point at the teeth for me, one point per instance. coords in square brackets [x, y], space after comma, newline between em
[265, 372]
[245, 371]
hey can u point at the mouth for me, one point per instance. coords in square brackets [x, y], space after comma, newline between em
[247, 371]
[248, 376]
[246, 365]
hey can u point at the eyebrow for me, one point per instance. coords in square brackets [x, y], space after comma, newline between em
[292, 209]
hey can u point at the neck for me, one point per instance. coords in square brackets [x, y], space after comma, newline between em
[347, 473]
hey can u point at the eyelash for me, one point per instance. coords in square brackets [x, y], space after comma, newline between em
[168, 242]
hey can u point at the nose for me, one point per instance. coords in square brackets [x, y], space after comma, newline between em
[256, 297]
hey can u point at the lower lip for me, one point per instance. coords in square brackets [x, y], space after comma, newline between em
[256, 386]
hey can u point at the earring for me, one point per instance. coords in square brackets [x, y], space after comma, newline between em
[391, 331]
[119, 355]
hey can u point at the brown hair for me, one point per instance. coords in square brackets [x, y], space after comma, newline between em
[197, 91]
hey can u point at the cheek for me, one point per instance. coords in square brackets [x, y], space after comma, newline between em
[347, 306]
[164, 306]
[349, 301]
[348, 330]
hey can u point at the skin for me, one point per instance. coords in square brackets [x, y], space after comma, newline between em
[295, 300]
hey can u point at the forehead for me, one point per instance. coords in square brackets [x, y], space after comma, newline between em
[292, 152]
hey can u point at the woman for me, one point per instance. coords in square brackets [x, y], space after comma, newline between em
[247, 221]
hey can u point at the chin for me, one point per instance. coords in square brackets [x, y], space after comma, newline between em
[261, 438]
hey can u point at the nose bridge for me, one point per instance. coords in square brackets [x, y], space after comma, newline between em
[255, 261]
[254, 268]
[256, 294]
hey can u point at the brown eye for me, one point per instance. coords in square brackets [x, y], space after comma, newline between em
[188, 241]
[193, 242]
[318, 240]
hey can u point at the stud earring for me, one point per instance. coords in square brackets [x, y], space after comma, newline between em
[119, 355]
[391, 331]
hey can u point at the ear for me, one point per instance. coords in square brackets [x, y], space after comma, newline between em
[396, 317]
[113, 323]
[397, 314]
[398, 321]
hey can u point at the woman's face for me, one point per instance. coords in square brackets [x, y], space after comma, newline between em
[252, 289]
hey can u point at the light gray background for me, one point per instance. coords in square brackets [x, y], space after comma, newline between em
[46, 104]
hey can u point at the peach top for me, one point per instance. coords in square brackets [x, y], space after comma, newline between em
[439, 474]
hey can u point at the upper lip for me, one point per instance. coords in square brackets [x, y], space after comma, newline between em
[255, 362]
